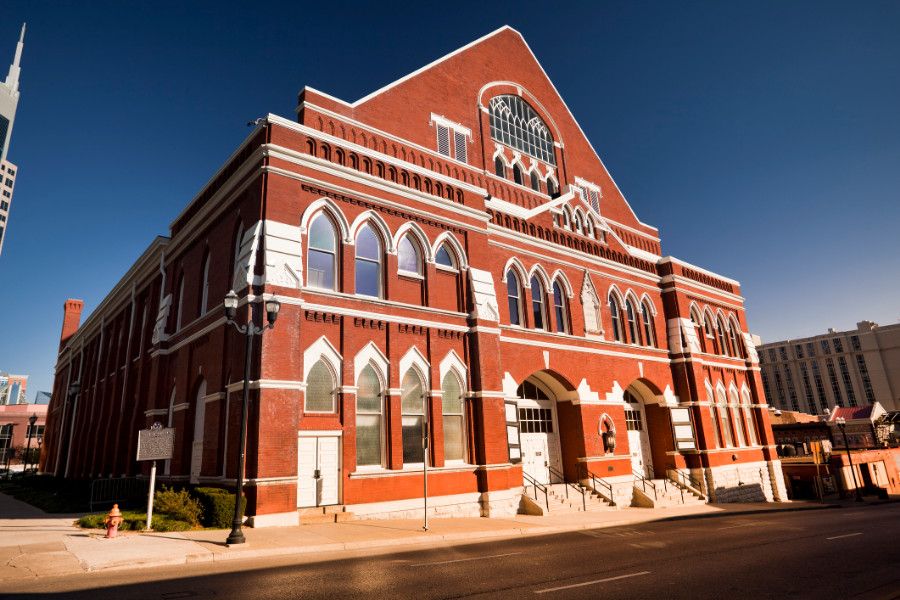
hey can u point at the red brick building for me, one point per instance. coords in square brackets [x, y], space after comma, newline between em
[449, 253]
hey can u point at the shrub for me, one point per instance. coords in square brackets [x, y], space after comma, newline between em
[178, 505]
[135, 521]
[218, 506]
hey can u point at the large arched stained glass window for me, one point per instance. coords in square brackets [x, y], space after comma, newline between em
[516, 124]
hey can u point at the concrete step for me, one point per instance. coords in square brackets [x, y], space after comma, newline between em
[324, 514]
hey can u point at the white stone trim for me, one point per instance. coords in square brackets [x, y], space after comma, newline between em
[285, 519]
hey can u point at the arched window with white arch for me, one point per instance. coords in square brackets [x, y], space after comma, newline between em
[725, 415]
[514, 297]
[321, 389]
[560, 310]
[618, 322]
[538, 312]
[369, 260]
[322, 253]
[738, 417]
[647, 318]
[723, 342]
[409, 256]
[747, 409]
[634, 332]
[369, 419]
[714, 414]
[453, 415]
[412, 417]
[446, 258]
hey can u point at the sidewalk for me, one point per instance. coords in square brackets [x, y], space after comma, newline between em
[35, 544]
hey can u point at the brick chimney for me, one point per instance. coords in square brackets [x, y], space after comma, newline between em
[71, 320]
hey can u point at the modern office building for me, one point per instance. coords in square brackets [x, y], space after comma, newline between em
[838, 368]
[463, 288]
[9, 100]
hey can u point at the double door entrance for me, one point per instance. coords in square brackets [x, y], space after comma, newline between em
[539, 441]
[318, 470]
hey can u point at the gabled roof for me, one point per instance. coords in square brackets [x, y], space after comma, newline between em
[851, 413]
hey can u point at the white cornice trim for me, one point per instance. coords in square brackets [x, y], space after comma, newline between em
[571, 348]
[672, 259]
[368, 314]
[704, 289]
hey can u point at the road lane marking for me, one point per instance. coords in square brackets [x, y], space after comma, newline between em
[575, 585]
[446, 562]
[837, 537]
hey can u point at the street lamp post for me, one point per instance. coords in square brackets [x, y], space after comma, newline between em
[272, 307]
[31, 421]
[842, 424]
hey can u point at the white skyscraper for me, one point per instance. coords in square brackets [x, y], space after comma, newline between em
[9, 99]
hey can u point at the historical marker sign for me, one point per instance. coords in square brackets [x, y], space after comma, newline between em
[156, 444]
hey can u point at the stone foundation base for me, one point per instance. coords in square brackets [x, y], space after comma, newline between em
[288, 519]
[459, 505]
[746, 482]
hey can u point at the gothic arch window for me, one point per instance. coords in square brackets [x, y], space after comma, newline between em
[320, 389]
[579, 226]
[738, 420]
[647, 317]
[368, 263]
[412, 416]
[714, 415]
[453, 419]
[499, 167]
[559, 309]
[537, 303]
[515, 124]
[204, 290]
[180, 307]
[369, 419]
[445, 258]
[518, 176]
[748, 418]
[322, 257]
[726, 417]
[514, 296]
[535, 181]
[551, 188]
[723, 343]
[409, 256]
[617, 322]
[634, 332]
[733, 340]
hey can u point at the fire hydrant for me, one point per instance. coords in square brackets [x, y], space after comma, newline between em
[112, 522]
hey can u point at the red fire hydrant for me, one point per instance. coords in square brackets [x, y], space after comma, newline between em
[112, 522]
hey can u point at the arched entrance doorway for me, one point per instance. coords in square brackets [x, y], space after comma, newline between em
[638, 437]
[539, 432]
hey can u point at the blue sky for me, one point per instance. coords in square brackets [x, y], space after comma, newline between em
[762, 138]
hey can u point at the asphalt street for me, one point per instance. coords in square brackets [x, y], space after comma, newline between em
[846, 553]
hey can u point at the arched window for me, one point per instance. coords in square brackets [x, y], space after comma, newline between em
[445, 257]
[579, 227]
[738, 420]
[567, 219]
[515, 124]
[409, 257]
[733, 340]
[204, 292]
[648, 323]
[709, 334]
[726, 418]
[723, 344]
[180, 308]
[698, 328]
[748, 418]
[537, 303]
[514, 295]
[321, 262]
[412, 417]
[535, 181]
[368, 263]
[453, 419]
[238, 239]
[714, 415]
[368, 419]
[633, 331]
[588, 228]
[499, 167]
[518, 176]
[559, 309]
[617, 322]
[320, 389]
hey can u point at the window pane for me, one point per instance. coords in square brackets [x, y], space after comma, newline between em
[408, 256]
[411, 401]
[368, 245]
[451, 398]
[444, 258]
[368, 396]
[319, 389]
[453, 438]
[321, 234]
[412, 439]
[368, 440]
[321, 270]
[367, 278]
[537, 303]
[512, 290]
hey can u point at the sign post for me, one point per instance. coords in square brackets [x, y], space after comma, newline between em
[156, 443]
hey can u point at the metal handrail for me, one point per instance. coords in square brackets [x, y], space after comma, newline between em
[645, 482]
[536, 485]
[594, 480]
[576, 487]
[691, 480]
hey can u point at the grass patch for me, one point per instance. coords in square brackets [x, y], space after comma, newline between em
[134, 521]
